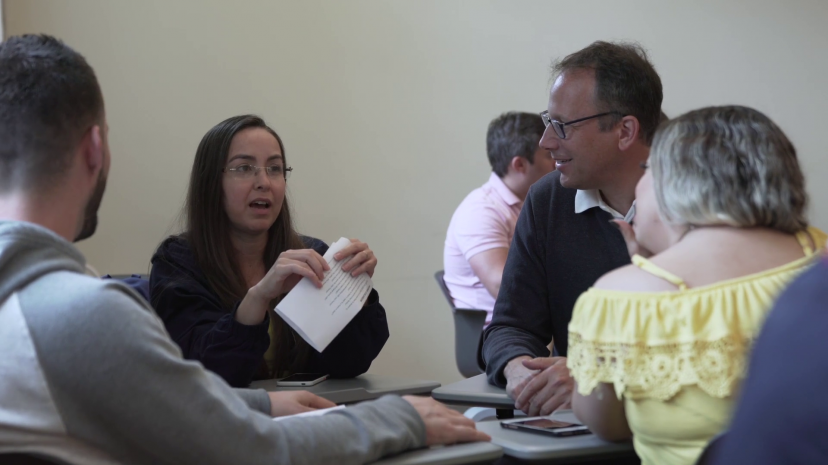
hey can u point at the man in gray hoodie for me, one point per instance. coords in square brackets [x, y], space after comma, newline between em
[89, 374]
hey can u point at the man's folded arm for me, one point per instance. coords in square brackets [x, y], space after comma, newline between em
[521, 324]
[121, 385]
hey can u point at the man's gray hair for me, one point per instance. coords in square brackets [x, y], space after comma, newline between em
[728, 165]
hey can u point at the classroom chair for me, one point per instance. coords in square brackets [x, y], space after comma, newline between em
[468, 334]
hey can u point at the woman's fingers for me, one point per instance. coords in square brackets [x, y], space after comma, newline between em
[357, 260]
[629, 236]
[353, 248]
[308, 263]
[362, 258]
[311, 257]
[287, 267]
[290, 267]
[367, 267]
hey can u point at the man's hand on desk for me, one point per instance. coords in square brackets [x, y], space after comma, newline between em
[444, 425]
[517, 376]
[293, 402]
[548, 390]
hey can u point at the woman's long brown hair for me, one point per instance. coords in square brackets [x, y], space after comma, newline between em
[208, 233]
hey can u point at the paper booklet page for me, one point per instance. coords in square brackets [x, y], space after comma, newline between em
[312, 413]
[319, 315]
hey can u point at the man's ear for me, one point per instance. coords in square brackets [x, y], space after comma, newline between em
[519, 164]
[92, 149]
[628, 132]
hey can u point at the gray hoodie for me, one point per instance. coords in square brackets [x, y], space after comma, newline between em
[89, 375]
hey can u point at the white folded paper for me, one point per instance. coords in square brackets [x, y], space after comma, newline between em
[312, 413]
[319, 315]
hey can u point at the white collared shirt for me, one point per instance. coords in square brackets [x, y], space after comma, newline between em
[586, 199]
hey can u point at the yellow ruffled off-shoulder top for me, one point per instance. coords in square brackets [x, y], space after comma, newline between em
[676, 358]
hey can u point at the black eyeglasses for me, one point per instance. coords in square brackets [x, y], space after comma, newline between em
[559, 126]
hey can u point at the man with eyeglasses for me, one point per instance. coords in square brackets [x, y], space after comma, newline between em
[603, 110]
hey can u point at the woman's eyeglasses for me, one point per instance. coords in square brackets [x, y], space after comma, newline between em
[248, 171]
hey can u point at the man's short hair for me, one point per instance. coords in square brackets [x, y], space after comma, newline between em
[49, 97]
[510, 135]
[625, 81]
[728, 165]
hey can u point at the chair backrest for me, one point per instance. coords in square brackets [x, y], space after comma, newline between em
[438, 276]
[468, 333]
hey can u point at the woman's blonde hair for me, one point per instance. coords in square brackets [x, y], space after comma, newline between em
[728, 165]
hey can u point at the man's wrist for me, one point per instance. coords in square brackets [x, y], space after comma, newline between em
[514, 364]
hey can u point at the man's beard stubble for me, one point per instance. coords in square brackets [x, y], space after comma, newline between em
[90, 213]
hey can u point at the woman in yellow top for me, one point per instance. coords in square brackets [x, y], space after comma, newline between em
[658, 348]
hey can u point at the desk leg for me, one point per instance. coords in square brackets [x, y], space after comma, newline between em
[504, 413]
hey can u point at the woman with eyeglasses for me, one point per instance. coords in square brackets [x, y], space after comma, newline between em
[658, 349]
[216, 284]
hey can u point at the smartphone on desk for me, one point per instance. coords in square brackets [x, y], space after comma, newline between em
[546, 425]
[302, 380]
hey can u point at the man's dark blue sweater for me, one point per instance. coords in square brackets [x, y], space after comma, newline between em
[555, 255]
[206, 330]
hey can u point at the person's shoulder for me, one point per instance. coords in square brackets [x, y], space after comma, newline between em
[478, 207]
[175, 260]
[85, 326]
[100, 291]
[624, 301]
[82, 304]
[174, 248]
[631, 278]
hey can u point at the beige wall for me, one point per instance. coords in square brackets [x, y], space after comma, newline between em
[383, 106]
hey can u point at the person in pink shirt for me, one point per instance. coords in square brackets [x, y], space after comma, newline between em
[481, 229]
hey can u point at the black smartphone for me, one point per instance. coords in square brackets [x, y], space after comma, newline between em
[546, 425]
[302, 379]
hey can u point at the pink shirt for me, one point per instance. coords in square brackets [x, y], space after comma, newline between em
[484, 220]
